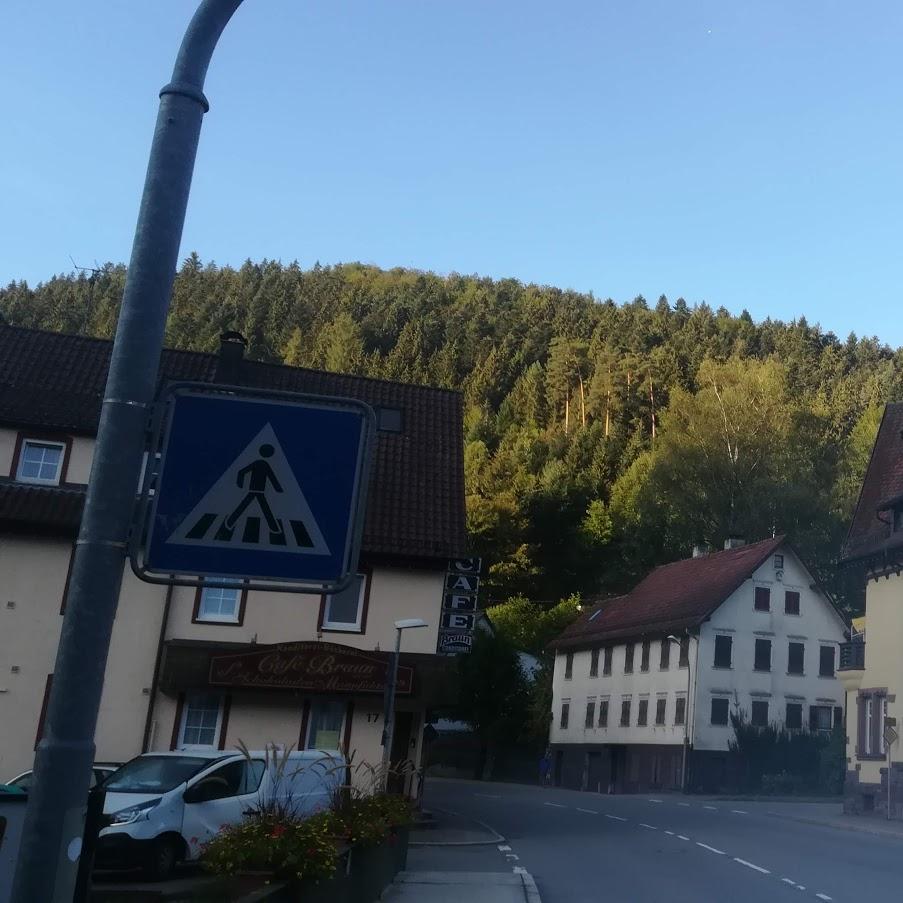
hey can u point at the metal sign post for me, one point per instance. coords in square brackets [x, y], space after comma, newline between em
[54, 823]
[890, 738]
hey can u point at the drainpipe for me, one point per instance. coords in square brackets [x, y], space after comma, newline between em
[148, 721]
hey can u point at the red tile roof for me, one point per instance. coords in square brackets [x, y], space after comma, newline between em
[671, 598]
[883, 481]
[415, 505]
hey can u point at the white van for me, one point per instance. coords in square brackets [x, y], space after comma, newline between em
[161, 808]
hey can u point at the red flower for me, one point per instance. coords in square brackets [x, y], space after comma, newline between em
[277, 831]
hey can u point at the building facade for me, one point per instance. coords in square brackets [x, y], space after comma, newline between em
[645, 685]
[871, 664]
[213, 666]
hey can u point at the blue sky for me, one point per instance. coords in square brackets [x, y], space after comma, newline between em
[747, 154]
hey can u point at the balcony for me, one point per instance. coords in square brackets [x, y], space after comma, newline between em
[852, 665]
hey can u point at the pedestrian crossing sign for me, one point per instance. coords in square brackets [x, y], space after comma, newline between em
[265, 489]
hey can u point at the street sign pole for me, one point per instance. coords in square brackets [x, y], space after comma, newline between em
[54, 822]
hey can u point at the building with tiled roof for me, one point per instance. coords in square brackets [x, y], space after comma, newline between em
[871, 667]
[165, 687]
[645, 683]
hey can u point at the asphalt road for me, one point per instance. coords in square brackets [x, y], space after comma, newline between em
[632, 849]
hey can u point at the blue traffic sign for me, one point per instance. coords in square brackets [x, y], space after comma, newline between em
[263, 489]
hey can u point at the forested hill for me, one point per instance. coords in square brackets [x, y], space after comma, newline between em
[601, 438]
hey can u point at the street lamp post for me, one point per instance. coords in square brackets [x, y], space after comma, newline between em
[389, 698]
[54, 820]
[686, 744]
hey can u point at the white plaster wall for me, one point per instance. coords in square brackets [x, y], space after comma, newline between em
[80, 458]
[7, 447]
[617, 686]
[817, 624]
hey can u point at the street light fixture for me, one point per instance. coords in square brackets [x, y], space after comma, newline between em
[389, 699]
[683, 758]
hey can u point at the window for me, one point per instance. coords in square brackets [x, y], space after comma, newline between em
[644, 660]
[565, 714]
[778, 562]
[201, 719]
[826, 661]
[606, 660]
[219, 603]
[235, 779]
[680, 710]
[325, 727]
[759, 713]
[594, 662]
[795, 658]
[793, 719]
[723, 646]
[684, 658]
[41, 462]
[628, 658]
[345, 610]
[719, 710]
[791, 602]
[603, 713]
[763, 598]
[625, 713]
[820, 717]
[642, 716]
[660, 705]
[590, 713]
[664, 658]
[763, 655]
[568, 665]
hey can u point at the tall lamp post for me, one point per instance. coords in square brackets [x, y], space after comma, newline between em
[389, 698]
[686, 745]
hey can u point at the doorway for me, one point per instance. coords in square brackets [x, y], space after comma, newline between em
[401, 768]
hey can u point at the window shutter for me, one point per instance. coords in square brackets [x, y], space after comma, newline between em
[838, 717]
[861, 740]
[813, 718]
[877, 725]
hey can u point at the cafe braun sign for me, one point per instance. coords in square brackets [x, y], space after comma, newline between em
[314, 667]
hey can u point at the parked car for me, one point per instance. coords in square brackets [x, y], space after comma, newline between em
[161, 808]
[102, 770]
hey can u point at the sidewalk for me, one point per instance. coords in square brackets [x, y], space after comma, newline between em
[830, 815]
[454, 830]
[452, 887]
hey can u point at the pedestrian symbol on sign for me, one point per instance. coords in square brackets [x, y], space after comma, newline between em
[256, 504]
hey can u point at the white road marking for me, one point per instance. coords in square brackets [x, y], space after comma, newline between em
[670, 832]
[556, 805]
[652, 827]
[504, 848]
[705, 846]
[684, 804]
[739, 812]
[824, 897]
[616, 817]
[682, 837]
[587, 811]
[654, 801]
[512, 856]
[711, 808]
[788, 881]
[752, 865]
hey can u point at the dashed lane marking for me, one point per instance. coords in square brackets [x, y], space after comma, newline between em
[739, 812]
[654, 801]
[587, 811]
[504, 848]
[752, 865]
[687, 805]
[555, 805]
[711, 808]
[824, 897]
[705, 846]
[670, 832]
[651, 827]
[682, 837]
[615, 817]
[512, 856]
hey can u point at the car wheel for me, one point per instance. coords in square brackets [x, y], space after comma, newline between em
[162, 860]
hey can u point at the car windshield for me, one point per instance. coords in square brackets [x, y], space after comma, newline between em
[154, 774]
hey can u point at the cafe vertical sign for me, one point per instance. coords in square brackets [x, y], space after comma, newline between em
[459, 606]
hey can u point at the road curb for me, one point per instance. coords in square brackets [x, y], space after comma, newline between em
[495, 839]
[531, 891]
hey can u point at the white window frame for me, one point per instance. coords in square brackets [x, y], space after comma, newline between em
[348, 626]
[219, 618]
[184, 720]
[41, 481]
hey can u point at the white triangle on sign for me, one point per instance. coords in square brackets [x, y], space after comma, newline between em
[256, 504]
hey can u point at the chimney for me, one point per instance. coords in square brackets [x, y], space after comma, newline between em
[700, 550]
[231, 354]
[734, 542]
